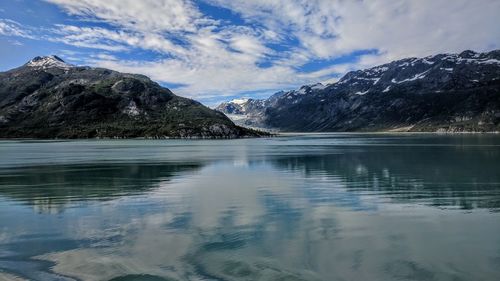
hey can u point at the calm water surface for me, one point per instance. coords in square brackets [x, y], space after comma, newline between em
[297, 207]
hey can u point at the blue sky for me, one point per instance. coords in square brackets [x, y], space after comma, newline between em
[216, 50]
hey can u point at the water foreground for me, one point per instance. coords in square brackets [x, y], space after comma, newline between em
[296, 207]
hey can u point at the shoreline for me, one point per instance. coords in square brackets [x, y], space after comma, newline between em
[271, 135]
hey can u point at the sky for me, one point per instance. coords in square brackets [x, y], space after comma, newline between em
[217, 50]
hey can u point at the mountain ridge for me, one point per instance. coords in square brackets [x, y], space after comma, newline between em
[444, 92]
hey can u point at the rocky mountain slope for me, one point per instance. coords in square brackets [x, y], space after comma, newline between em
[445, 92]
[48, 98]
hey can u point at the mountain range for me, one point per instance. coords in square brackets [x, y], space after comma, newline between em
[439, 93]
[49, 98]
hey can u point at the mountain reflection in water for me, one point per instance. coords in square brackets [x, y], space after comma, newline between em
[298, 207]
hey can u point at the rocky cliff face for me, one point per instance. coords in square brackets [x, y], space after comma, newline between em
[446, 92]
[48, 98]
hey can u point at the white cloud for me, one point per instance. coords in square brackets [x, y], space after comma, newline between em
[144, 15]
[217, 79]
[397, 28]
[212, 57]
[13, 28]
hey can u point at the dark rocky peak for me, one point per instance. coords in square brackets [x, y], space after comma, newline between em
[468, 54]
[277, 95]
[302, 91]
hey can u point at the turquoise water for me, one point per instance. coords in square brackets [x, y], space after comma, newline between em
[296, 207]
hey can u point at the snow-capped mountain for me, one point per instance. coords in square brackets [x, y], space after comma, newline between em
[445, 92]
[48, 98]
[48, 62]
[251, 112]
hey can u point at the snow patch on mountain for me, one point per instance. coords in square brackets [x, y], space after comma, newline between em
[318, 86]
[240, 101]
[361, 93]
[491, 61]
[48, 62]
[380, 69]
[427, 62]
[416, 77]
[475, 59]
[301, 91]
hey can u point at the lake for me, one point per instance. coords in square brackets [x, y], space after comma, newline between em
[294, 207]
